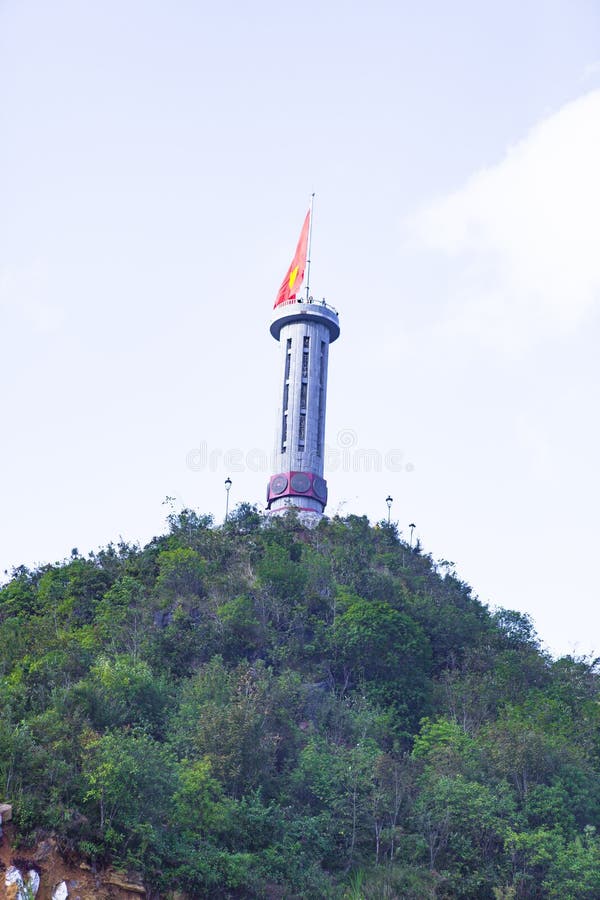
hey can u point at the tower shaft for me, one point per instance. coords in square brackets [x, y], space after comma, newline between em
[305, 331]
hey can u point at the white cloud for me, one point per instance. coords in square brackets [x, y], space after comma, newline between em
[525, 232]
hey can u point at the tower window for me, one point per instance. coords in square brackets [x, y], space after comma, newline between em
[283, 432]
[302, 431]
[303, 394]
[288, 359]
[321, 410]
[305, 346]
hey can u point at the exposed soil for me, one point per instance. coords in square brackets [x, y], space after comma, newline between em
[82, 883]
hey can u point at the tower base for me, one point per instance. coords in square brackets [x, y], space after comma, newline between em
[304, 490]
[309, 518]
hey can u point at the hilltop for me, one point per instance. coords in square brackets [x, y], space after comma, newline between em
[268, 711]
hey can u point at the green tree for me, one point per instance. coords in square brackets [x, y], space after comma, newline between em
[181, 574]
[338, 783]
[463, 823]
[123, 691]
[383, 649]
[130, 780]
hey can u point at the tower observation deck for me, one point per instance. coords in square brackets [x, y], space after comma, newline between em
[304, 329]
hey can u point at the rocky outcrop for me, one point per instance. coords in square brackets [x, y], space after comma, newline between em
[19, 887]
[133, 884]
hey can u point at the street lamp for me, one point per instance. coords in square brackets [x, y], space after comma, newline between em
[412, 527]
[389, 500]
[227, 489]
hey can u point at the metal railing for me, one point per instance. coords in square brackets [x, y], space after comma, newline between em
[310, 302]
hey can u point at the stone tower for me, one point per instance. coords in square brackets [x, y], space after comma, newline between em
[304, 329]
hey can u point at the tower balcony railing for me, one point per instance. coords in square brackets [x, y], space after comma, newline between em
[310, 302]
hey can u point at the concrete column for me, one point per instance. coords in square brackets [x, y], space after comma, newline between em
[304, 331]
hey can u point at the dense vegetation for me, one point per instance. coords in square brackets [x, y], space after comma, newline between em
[253, 711]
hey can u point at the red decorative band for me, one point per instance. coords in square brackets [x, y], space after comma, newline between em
[297, 484]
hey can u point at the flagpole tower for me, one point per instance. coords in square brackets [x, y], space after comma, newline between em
[304, 329]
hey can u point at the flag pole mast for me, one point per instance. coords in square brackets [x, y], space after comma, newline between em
[312, 198]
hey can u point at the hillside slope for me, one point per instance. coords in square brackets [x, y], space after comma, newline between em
[253, 711]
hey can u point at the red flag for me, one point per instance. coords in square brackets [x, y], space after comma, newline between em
[292, 282]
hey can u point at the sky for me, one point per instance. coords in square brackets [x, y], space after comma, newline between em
[156, 163]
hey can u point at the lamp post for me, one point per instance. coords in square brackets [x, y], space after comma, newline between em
[227, 489]
[389, 500]
[412, 527]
